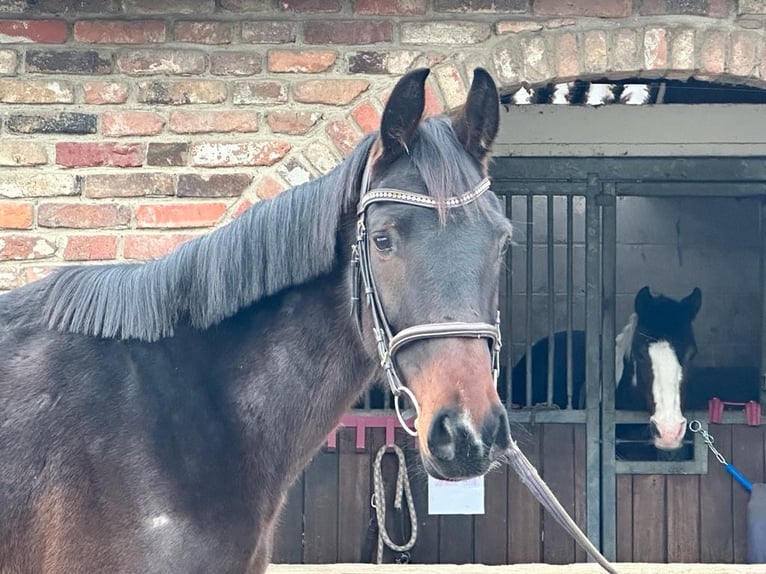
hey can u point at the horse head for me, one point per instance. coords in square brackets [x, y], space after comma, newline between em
[431, 239]
[662, 346]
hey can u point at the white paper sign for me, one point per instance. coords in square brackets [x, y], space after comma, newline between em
[464, 497]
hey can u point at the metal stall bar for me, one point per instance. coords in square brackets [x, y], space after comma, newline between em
[506, 325]
[570, 295]
[608, 201]
[551, 297]
[528, 298]
[763, 301]
[593, 360]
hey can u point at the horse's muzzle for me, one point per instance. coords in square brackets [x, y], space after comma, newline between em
[458, 451]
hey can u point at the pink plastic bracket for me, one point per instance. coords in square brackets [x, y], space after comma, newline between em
[752, 409]
[362, 423]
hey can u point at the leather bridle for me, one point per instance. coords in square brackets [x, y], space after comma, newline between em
[387, 342]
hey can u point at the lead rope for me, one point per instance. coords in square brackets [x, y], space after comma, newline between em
[529, 476]
[379, 503]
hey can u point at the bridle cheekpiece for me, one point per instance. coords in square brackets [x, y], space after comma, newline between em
[387, 342]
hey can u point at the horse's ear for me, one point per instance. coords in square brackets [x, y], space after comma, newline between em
[402, 113]
[693, 302]
[477, 122]
[644, 301]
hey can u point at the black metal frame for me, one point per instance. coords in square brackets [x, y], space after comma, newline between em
[601, 181]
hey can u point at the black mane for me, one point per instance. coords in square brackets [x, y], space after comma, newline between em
[276, 244]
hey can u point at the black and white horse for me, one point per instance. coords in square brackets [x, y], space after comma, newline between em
[652, 353]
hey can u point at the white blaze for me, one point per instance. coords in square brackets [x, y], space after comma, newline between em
[666, 391]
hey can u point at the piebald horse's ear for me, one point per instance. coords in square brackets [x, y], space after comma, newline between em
[402, 114]
[693, 302]
[644, 301]
[477, 122]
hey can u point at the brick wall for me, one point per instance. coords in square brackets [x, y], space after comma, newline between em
[129, 126]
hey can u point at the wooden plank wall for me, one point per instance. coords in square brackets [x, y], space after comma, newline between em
[692, 518]
[674, 518]
[327, 515]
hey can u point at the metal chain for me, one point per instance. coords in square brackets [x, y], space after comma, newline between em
[696, 427]
[379, 503]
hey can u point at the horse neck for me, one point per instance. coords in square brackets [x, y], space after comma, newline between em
[293, 364]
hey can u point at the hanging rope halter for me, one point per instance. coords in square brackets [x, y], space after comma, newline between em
[389, 343]
[379, 503]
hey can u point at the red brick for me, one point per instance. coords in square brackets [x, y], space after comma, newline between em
[434, 105]
[82, 215]
[213, 184]
[154, 246]
[567, 63]
[179, 214]
[21, 153]
[99, 93]
[119, 31]
[334, 92]
[311, 5]
[21, 247]
[366, 117]
[38, 31]
[35, 92]
[343, 135]
[241, 208]
[268, 188]
[713, 52]
[16, 215]
[656, 49]
[162, 62]
[48, 61]
[238, 154]
[165, 154]
[305, 61]
[235, 64]
[269, 32]
[89, 154]
[347, 32]
[133, 184]
[293, 123]
[182, 92]
[131, 124]
[209, 122]
[390, 7]
[90, 248]
[258, 93]
[591, 8]
[203, 32]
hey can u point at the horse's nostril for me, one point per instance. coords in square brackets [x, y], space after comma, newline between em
[654, 429]
[441, 437]
[500, 430]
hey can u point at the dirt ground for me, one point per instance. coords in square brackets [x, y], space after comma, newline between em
[622, 568]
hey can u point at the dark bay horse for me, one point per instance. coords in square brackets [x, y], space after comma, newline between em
[153, 416]
[652, 352]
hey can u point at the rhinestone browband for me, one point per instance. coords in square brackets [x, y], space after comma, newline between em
[385, 194]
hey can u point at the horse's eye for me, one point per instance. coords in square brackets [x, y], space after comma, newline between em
[382, 242]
